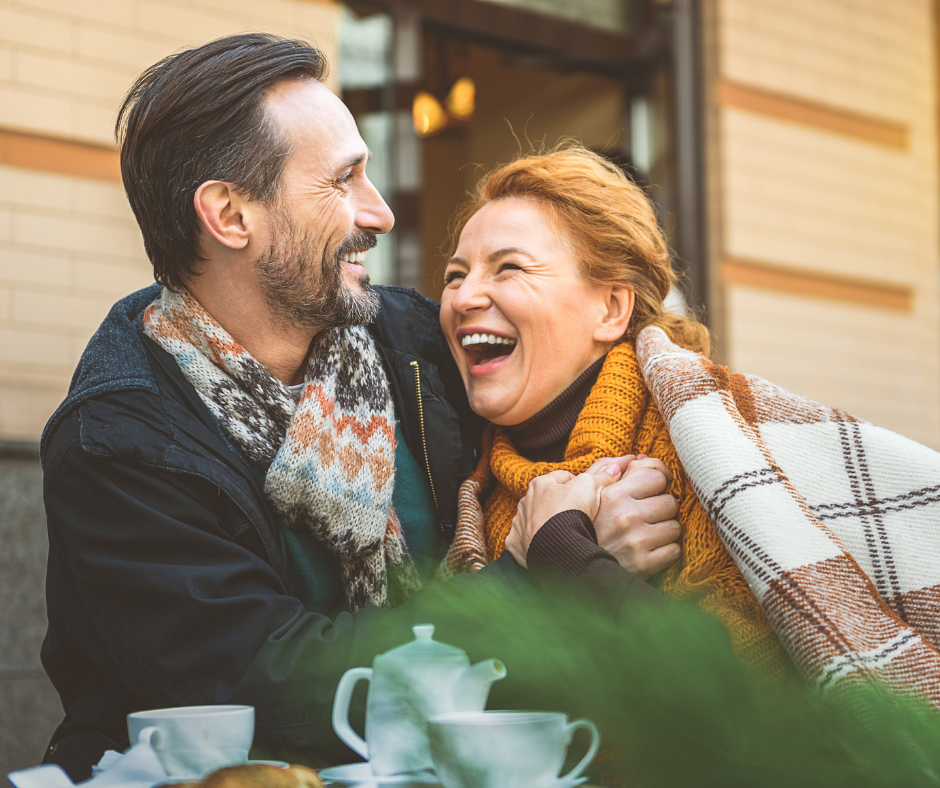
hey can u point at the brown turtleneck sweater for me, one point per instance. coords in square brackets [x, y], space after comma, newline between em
[544, 436]
[564, 551]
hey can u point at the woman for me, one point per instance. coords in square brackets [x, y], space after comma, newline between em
[559, 266]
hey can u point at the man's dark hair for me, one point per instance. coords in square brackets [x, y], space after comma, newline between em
[197, 116]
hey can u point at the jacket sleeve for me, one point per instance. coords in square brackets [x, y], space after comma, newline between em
[163, 593]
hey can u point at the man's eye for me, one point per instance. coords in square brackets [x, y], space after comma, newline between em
[344, 179]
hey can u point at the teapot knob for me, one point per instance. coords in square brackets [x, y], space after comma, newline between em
[423, 631]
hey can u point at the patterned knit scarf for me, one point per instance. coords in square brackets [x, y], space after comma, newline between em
[329, 460]
[618, 418]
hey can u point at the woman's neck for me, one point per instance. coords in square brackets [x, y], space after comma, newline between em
[544, 436]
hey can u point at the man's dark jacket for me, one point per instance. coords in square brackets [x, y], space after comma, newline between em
[166, 580]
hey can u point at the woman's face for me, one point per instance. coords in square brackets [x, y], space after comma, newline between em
[520, 319]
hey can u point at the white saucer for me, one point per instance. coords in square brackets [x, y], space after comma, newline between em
[356, 773]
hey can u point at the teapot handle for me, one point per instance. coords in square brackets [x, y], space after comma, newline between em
[341, 709]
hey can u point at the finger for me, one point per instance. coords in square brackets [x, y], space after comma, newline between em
[651, 462]
[605, 477]
[590, 486]
[553, 477]
[657, 509]
[644, 483]
[660, 535]
[558, 477]
[663, 557]
[604, 462]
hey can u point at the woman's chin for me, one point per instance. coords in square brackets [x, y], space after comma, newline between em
[500, 410]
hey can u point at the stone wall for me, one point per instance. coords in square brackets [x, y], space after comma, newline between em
[29, 706]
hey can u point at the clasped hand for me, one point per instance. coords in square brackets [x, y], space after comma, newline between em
[625, 497]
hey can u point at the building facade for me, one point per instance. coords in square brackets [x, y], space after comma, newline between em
[823, 197]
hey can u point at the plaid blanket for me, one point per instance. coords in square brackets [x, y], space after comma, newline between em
[834, 522]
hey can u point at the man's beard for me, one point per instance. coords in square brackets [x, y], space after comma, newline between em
[308, 295]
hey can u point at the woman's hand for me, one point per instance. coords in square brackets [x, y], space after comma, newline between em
[636, 519]
[558, 492]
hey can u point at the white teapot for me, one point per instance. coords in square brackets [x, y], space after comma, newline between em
[408, 685]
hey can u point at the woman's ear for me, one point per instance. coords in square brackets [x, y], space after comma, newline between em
[221, 211]
[614, 323]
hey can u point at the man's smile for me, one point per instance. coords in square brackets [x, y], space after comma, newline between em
[354, 260]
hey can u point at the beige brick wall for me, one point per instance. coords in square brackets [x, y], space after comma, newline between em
[69, 246]
[800, 197]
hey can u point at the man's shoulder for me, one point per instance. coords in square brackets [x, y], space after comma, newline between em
[408, 322]
[115, 362]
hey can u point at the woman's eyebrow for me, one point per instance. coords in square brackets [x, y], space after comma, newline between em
[493, 256]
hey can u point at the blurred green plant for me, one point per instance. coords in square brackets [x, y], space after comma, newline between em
[674, 706]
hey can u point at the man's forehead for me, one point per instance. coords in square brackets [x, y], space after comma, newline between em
[318, 123]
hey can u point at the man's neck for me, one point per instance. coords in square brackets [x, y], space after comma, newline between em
[245, 313]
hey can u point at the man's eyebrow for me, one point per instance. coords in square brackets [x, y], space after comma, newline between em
[355, 161]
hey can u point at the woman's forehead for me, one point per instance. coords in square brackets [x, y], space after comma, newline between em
[509, 223]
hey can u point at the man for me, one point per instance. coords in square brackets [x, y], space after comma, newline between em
[241, 464]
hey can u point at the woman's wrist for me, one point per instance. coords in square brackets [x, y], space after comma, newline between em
[563, 546]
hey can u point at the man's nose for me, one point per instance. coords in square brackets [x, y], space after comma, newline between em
[374, 215]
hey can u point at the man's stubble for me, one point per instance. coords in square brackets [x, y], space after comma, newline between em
[310, 293]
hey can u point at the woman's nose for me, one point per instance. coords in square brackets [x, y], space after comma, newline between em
[472, 294]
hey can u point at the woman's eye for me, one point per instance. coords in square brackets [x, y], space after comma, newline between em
[509, 267]
[453, 276]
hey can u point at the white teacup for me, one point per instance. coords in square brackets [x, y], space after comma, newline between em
[496, 749]
[192, 741]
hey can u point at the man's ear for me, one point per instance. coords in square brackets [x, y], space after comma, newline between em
[223, 213]
[613, 325]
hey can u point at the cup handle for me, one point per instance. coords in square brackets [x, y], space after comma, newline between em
[150, 735]
[574, 776]
[341, 709]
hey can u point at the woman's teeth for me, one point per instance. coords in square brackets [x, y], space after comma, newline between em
[485, 339]
[353, 257]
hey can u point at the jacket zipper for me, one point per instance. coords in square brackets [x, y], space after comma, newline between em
[424, 442]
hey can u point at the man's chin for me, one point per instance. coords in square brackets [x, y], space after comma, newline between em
[356, 283]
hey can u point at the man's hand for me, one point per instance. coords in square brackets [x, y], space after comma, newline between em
[558, 492]
[635, 521]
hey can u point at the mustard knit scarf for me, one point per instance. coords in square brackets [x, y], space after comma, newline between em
[619, 418]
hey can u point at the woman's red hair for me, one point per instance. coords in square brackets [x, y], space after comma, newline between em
[610, 225]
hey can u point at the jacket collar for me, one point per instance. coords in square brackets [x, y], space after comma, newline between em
[116, 359]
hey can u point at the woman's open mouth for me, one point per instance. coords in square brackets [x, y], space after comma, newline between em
[486, 351]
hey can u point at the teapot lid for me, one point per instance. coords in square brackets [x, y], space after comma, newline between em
[424, 645]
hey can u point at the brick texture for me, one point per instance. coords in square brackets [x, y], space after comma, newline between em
[69, 246]
[806, 198]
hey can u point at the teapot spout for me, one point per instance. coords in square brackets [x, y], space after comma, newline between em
[474, 684]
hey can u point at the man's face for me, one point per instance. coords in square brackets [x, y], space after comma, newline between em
[326, 217]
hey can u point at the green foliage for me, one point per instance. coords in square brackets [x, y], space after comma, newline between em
[675, 708]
